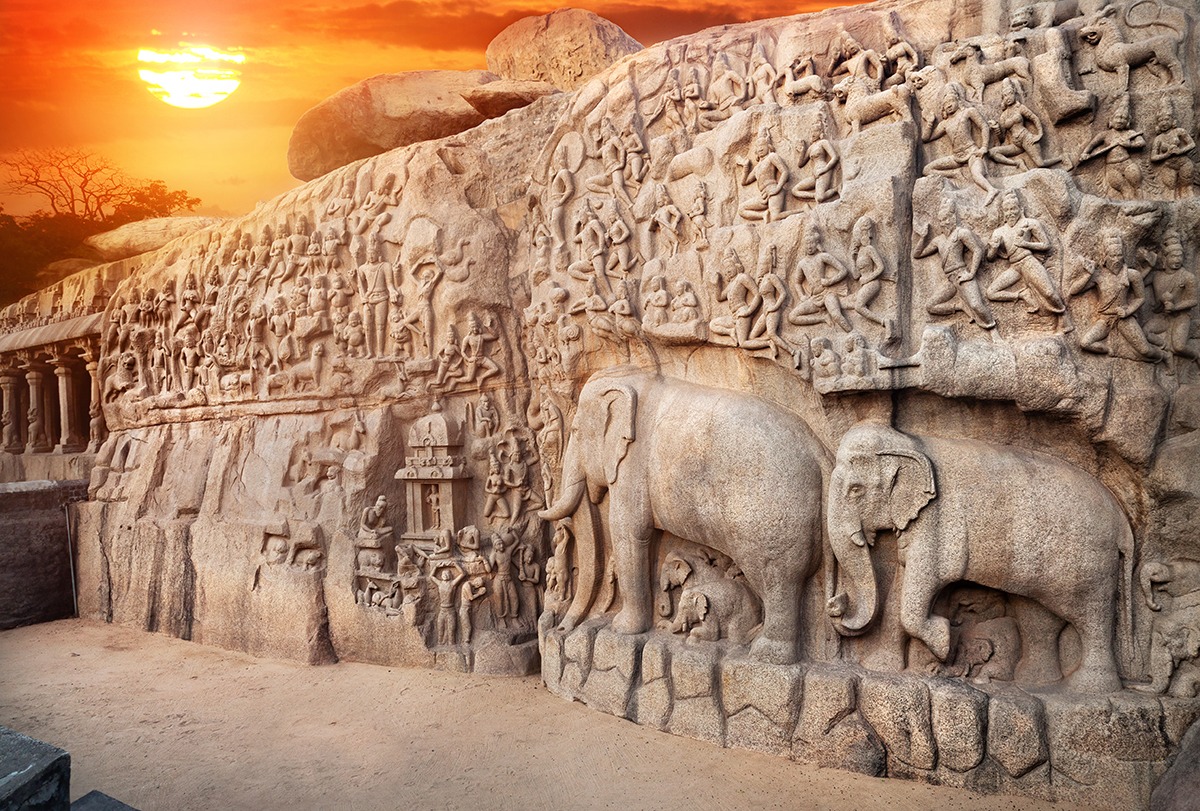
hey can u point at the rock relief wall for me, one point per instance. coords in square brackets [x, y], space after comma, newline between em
[830, 382]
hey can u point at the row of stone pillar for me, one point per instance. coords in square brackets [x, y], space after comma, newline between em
[30, 399]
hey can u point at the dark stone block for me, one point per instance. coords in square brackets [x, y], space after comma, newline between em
[34, 776]
[99, 801]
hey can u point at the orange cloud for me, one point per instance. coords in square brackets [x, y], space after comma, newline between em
[70, 73]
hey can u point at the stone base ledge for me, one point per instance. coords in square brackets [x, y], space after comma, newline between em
[1105, 752]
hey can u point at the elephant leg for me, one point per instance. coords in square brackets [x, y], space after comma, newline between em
[916, 602]
[1040, 629]
[632, 530]
[1097, 670]
[780, 588]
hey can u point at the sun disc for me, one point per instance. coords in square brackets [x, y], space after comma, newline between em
[191, 76]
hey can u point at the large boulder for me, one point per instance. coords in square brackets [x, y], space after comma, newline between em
[380, 114]
[494, 99]
[145, 235]
[565, 48]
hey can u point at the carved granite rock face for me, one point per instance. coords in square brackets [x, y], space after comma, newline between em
[837, 401]
[140, 237]
[565, 48]
[382, 113]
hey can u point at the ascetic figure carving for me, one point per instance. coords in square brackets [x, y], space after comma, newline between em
[687, 475]
[1014, 520]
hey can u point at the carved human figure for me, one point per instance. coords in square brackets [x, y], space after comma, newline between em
[901, 56]
[494, 505]
[621, 313]
[372, 214]
[1175, 295]
[822, 158]
[666, 219]
[698, 217]
[378, 288]
[189, 360]
[822, 291]
[373, 525]
[868, 267]
[486, 418]
[281, 322]
[355, 336]
[961, 254]
[449, 360]
[766, 172]
[763, 76]
[744, 300]
[1017, 241]
[969, 137]
[477, 366]
[595, 310]
[592, 238]
[685, 306]
[427, 281]
[611, 152]
[1121, 172]
[504, 590]
[764, 332]
[655, 303]
[529, 575]
[1120, 293]
[471, 591]
[444, 579]
[1020, 130]
[727, 92]
[858, 63]
[620, 243]
[1171, 150]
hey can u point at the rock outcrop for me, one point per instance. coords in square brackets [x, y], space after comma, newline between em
[494, 99]
[565, 48]
[145, 235]
[381, 113]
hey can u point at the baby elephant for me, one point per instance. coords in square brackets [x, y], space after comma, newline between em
[719, 609]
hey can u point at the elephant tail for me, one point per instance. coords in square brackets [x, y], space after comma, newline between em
[1125, 643]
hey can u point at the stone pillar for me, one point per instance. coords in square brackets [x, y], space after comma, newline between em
[70, 436]
[39, 437]
[97, 429]
[11, 420]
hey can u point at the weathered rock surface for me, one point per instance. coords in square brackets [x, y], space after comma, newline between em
[1179, 788]
[143, 236]
[565, 48]
[382, 113]
[494, 99]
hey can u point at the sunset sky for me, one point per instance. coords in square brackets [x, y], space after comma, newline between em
[70, 74]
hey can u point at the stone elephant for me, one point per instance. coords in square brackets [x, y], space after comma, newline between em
[719, 468]
[1171, 589]
[1010, 519]
[721, 609]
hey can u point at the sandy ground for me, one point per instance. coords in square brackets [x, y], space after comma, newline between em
[165, 724]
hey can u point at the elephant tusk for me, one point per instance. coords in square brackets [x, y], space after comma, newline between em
[859, 538]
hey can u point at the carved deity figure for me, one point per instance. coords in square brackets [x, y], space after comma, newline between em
[611, 152]
[744, 300]
[961, 254]
[1018, 241]
[477, 366]
[969, 137]
[822, 156]
[1171, 150]
[666, 219]
[1121, 172]
[444, 579]
[378, 288]
[1175, 295]
[698, 217]
[869, 269]
[1120, 293]
[655, 303]
[766, 172]
[822, 291]
[1020, 130]
[504, 590]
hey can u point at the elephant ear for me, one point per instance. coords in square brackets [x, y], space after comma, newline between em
[620, 410]
[699, 605]
[912, 484]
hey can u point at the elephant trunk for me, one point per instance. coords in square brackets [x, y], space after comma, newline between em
[566, 503]
[853, 609]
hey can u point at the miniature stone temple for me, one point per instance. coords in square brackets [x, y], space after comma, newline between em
[827, 386]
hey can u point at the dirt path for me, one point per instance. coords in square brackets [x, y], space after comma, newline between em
[166, 724]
